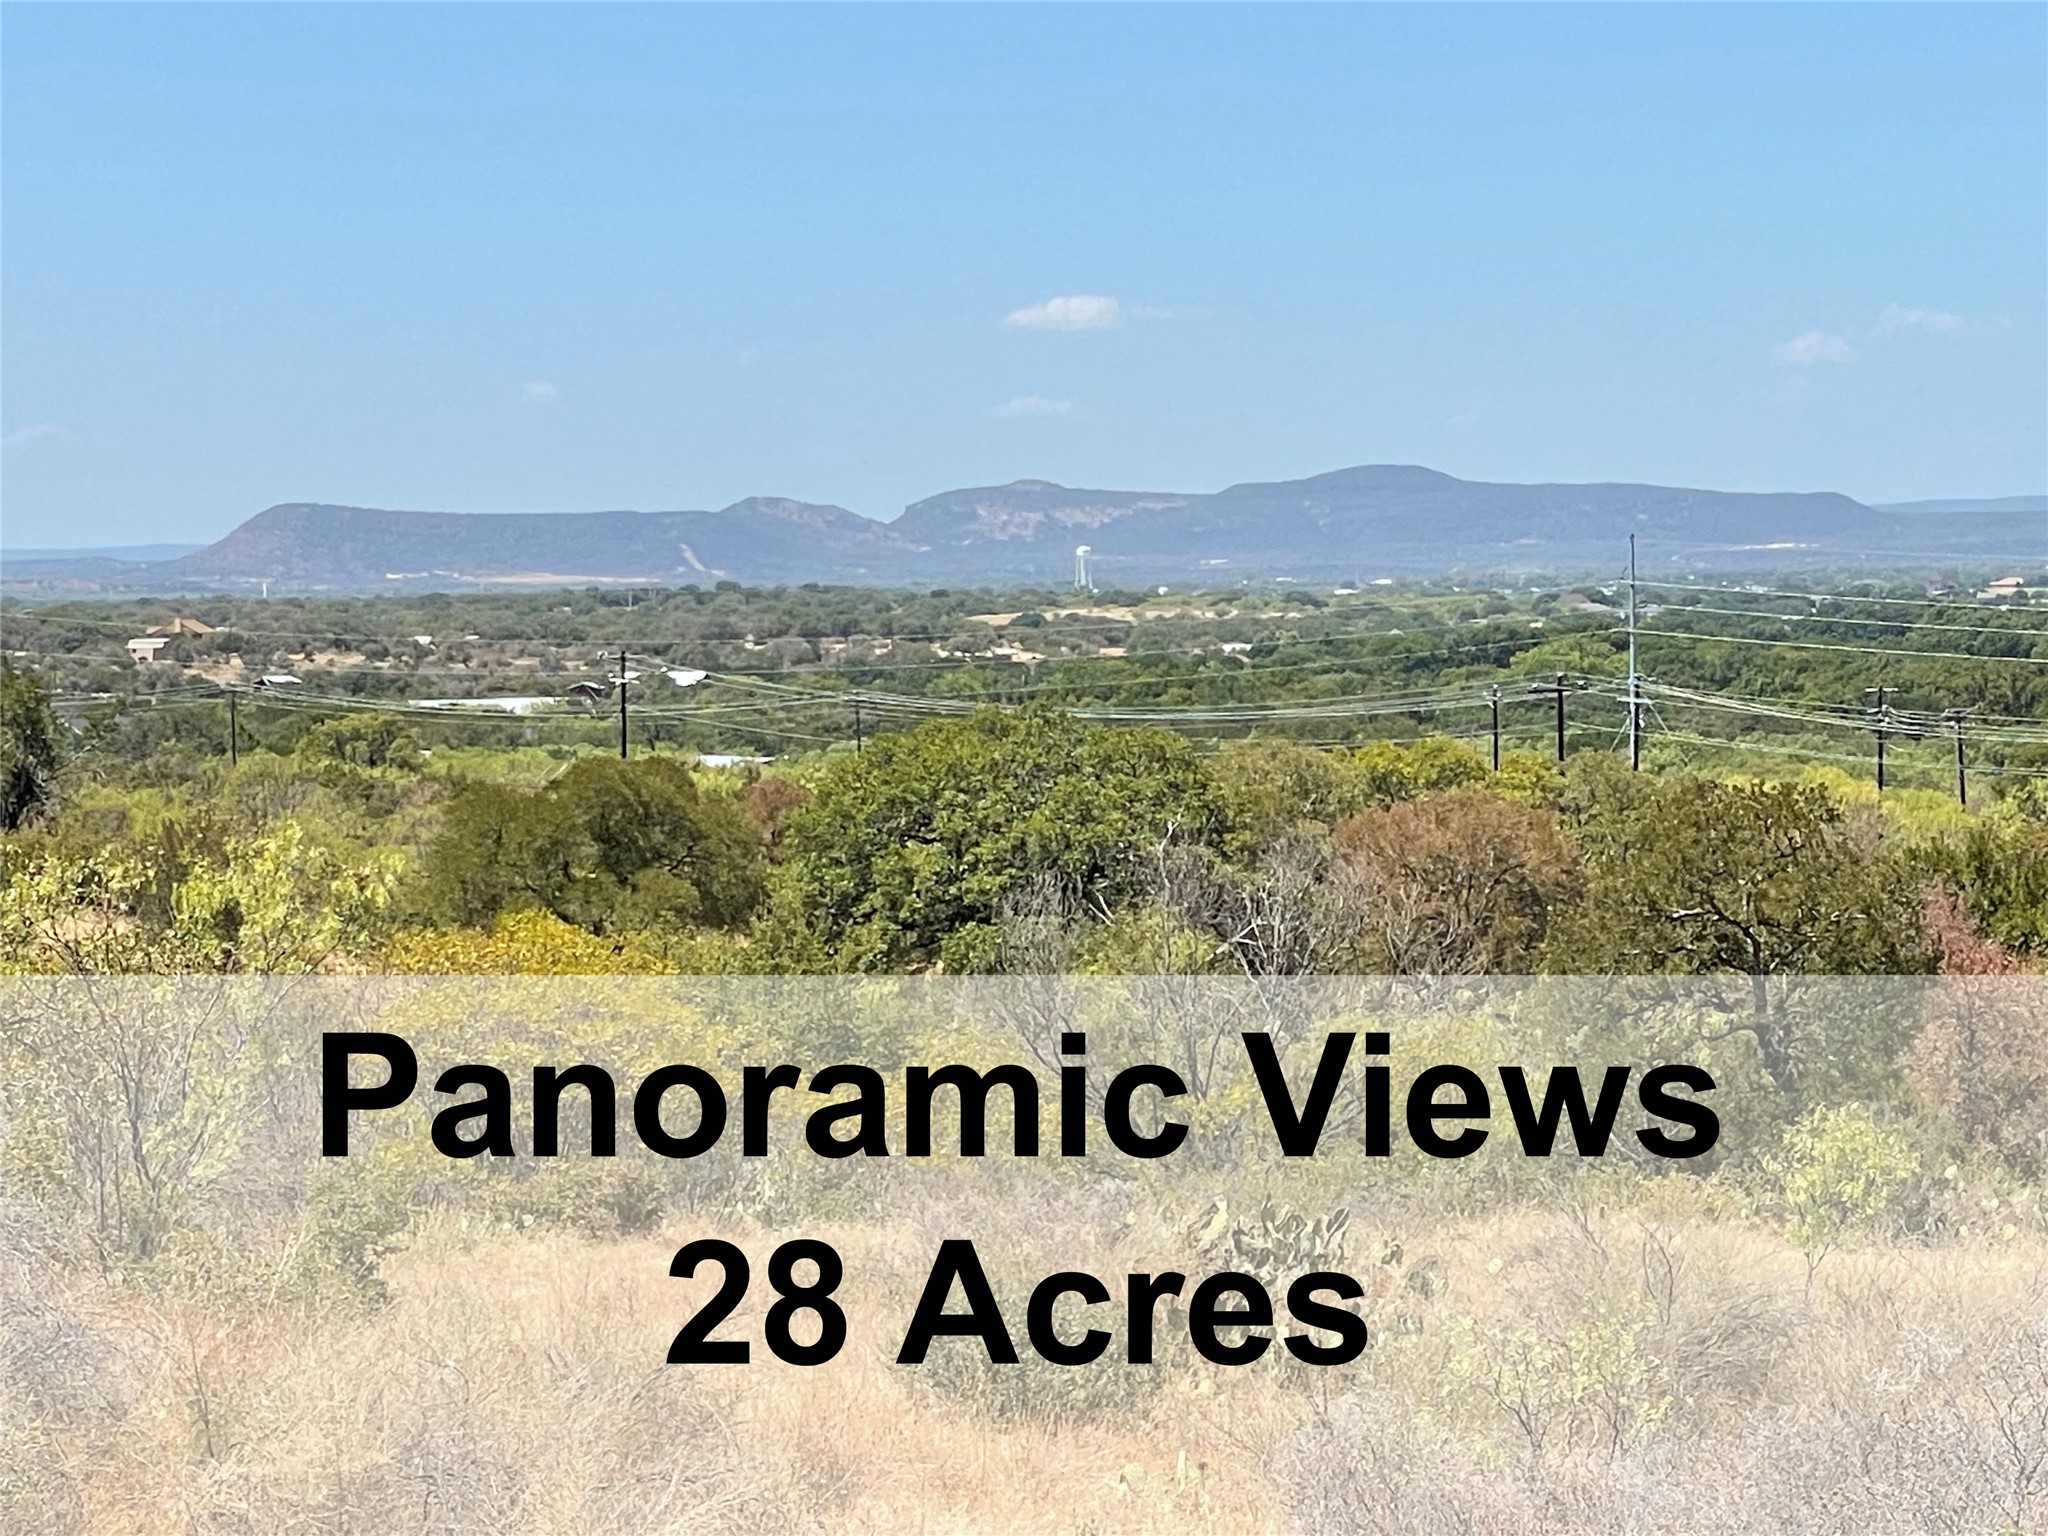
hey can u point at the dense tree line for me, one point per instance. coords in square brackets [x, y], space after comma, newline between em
[1193, 650]
[1024, 840]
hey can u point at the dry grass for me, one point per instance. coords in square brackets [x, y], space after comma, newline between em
[515, 1383]
[518, 1385]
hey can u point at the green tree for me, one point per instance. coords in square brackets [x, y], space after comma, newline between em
[1692, 876]
[659, 845]
[2001, 864]
[31, 748]
[362, 741]
[610, 846]
[1389, 771]
[1271, 788]
[905, 853]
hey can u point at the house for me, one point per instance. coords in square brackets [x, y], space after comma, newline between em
[2003, 587]
[183, 626]
[146, 648]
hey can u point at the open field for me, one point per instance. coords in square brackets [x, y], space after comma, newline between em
[1836, 1322]
[1904, 1390]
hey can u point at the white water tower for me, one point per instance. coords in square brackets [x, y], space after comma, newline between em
[1081, 581]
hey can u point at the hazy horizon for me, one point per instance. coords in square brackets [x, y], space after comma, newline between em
[562, 259]
[165, 548]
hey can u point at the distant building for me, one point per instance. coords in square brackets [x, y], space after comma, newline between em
[183, 626]
[147, 648]
[2003, 587]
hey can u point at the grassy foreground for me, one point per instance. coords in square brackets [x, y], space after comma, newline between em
[1598, 1370]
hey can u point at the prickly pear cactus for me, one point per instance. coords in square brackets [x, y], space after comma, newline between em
[1273, 1242]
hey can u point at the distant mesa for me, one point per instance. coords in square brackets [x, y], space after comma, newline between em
[1334, 527]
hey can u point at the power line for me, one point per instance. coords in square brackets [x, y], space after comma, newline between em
[781, 699]
[1819, 597]
[1831, 618]
[1858, 650]
[1978, 558]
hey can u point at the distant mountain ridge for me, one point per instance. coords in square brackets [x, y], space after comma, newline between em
[1381, 519]
[312, 545]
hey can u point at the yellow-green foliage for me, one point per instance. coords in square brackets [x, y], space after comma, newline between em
[1390, 771]
[1529, 778]
[522, 943]
[275, 902]
[1839, 1172]
[1587, 1380]
[1916, 815]
[1150, 940]
[363, 741]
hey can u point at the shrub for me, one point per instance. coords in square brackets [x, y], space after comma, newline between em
[1838, 1172]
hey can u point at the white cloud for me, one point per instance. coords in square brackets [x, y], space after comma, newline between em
[1068, 312]
[1033, 405]
[1810, 347]
[37, 432]
[1905, 317]
[541, 389]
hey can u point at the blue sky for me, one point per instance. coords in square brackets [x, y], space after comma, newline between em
[492, 258]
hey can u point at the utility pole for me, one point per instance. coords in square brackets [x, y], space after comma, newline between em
[1956, 717]
[1635, 696]
[1493, 699]
[1558, 689]
[234, 731]
[858, 742]
[1877, 713]
[622, 703]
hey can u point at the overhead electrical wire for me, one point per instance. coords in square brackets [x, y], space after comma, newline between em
[1818, 597]
[1839, 558]
[1831, 618]
[1857, 650]
[1985, 733]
